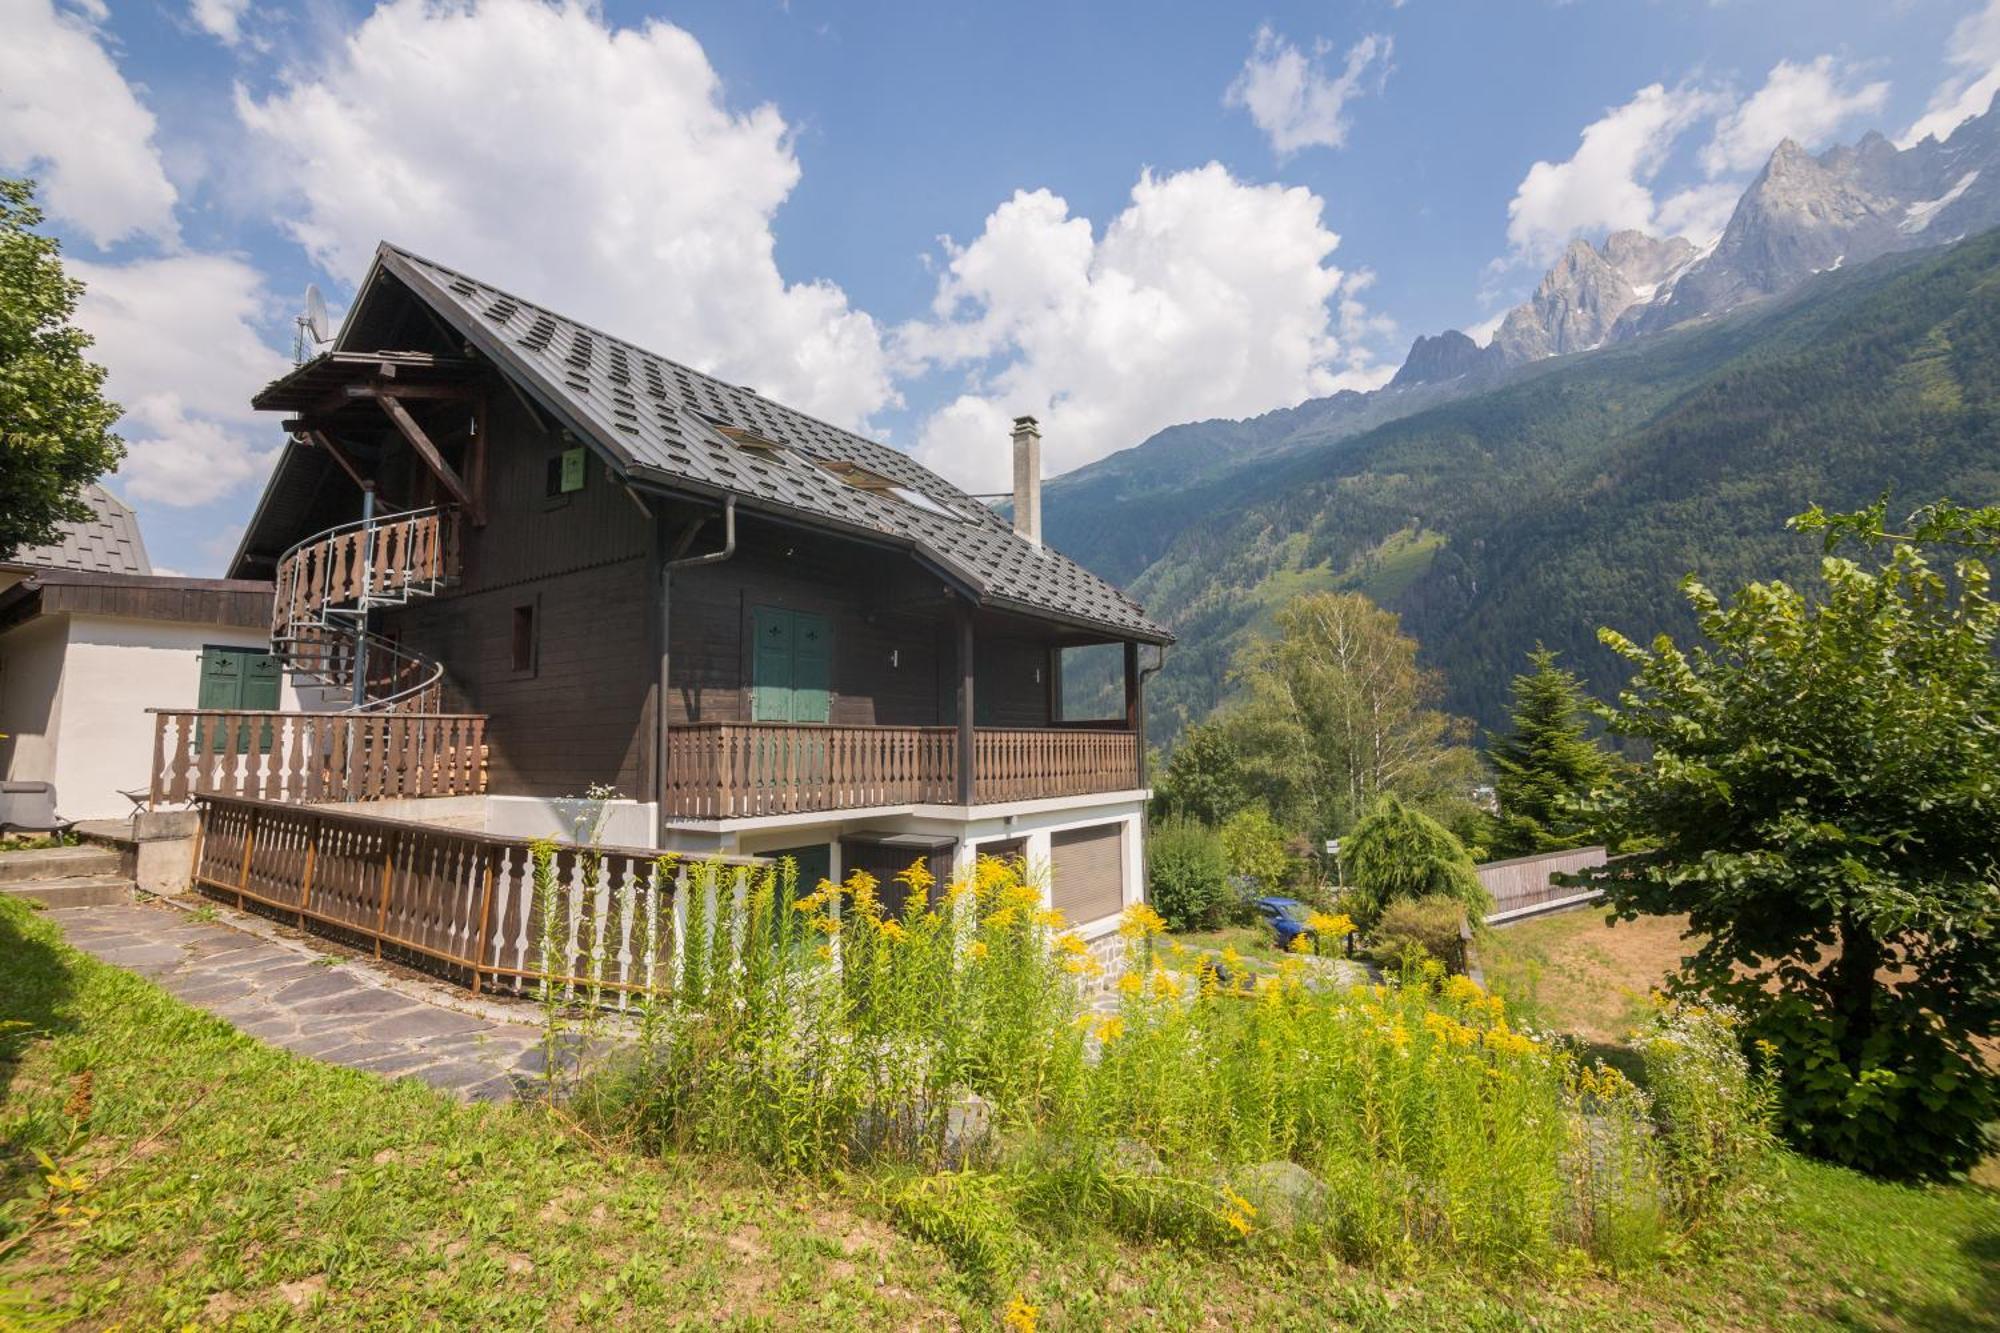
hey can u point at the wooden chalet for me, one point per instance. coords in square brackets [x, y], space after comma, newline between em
[496, 527]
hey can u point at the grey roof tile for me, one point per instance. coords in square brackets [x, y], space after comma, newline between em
[658, 415]
[108, 542]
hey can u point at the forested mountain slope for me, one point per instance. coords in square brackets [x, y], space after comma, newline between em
[1576, 494]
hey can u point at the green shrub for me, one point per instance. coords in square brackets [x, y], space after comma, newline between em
[1398, 852]
[1411, 930]
[1256, 848]
[1190, 875]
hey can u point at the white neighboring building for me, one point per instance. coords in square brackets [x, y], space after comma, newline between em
[90, 638]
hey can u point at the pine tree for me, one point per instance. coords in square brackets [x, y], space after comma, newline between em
[1546, 764]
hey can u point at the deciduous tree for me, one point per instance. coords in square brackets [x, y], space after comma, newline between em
[1823, 802]
[55, 427]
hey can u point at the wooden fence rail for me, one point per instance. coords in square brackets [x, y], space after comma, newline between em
[460, 903]
[1526, 885]
[737, 770]
[278, 756]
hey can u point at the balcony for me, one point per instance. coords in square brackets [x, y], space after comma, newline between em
[751, 770]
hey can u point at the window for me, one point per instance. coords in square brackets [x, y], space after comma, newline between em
[861, 479]
[791, 666]
[1087, 872]
[522, 641]
[239, 679]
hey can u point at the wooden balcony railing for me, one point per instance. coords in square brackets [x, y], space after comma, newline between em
[305, 757]
[1027, 764]
[384, 559]
[463, 903]
[744, 770]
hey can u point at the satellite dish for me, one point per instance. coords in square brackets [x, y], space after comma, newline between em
[317, 324]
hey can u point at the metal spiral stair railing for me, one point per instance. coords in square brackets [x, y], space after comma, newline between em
[329, 583]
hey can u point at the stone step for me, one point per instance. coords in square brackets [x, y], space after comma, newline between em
[80, 891]
[58, 863]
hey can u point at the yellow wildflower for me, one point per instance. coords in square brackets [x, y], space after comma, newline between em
[892, 931]
[1238, 1223]
[1330, 925]
[1129, 983]
[1164, 984]
[1111, 1029]
[1071, 942]
[825, 953]
[977, 949]
[1300, 944]
[1020, 1316]
[918, 879]
[1050, 918]
[1140, 921]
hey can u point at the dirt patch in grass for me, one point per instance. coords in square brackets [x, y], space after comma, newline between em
[1573, 973]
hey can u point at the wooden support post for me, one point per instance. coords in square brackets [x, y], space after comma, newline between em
[485, 921]
[249, 850]
[306, 880]
[1135, 712]
[388, 872]
[427, 451]
[966, 783]
[476, 462]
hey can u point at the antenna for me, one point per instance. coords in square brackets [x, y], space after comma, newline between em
[311, 327]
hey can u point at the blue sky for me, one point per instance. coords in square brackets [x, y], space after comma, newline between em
[915, 219]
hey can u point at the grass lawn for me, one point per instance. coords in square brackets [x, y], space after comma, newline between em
[235, 1185]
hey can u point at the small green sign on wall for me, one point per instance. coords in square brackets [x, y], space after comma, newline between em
[573, 465]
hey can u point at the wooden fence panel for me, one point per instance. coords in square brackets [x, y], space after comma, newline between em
[461, 903]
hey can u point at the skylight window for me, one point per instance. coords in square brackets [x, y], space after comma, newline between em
[861, 479]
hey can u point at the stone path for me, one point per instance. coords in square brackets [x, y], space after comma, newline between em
[346, 1013]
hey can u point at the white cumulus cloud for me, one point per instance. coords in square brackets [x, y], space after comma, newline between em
[597, 168]
[178, 337]
[1206, 296]
[1606, 184]
[1803, 102]
[220, 19]
[1294, 100]
[68, 117]
[1973, 52]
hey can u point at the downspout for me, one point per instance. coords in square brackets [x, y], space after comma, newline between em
[667, 568]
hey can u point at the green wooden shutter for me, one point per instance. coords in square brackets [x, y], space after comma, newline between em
[221, 679]
[812, 668]
[771, 665]
[239, 678]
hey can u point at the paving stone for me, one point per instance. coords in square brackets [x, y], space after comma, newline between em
[325, 985]
[392, 1061]
[140, 957]
[422, 1023]
[454, 1075]
[361, 1000]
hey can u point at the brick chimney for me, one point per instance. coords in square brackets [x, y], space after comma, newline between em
[1028, 479]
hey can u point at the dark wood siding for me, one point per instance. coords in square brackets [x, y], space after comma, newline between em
[890, 662]
[1010, 682]
[1087, 872]
[583, 714]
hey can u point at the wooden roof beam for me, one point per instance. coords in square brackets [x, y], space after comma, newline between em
[427, 451]
[324, 441]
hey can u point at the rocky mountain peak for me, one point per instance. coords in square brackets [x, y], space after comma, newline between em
[1448, 355]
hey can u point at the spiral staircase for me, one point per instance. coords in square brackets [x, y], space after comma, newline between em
[329, 584]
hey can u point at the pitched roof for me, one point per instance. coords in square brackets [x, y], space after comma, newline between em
[108, 542]
[663, 421]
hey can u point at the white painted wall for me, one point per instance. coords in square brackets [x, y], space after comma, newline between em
[110, 672]
[31, 678]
